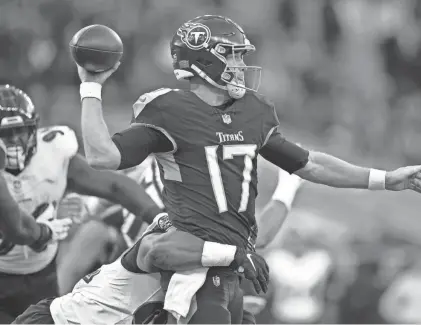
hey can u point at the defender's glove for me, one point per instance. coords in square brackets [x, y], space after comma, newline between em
[253, 267]
[51, 229]
[59, 227]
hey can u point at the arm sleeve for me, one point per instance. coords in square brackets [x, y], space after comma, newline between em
[284, 154]
[138, 142]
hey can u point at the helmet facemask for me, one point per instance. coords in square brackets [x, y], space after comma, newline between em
[18, 127]
[238, 76]
[21, 144]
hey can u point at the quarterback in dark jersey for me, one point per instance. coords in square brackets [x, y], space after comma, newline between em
[206, 141]
[209, 160]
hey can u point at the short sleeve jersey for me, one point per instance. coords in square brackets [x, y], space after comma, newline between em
[210, 176]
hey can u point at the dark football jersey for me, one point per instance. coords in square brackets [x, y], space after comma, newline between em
[210, 176]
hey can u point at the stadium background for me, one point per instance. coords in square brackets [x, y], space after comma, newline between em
[345, 75]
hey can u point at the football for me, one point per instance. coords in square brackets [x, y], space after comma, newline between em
[96, 48]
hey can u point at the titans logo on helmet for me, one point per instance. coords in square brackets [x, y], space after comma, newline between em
[195, 35]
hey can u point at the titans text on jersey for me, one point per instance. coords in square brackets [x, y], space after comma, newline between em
[210, 176]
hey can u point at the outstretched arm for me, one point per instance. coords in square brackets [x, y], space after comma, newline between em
[325, 169]
[112, 186]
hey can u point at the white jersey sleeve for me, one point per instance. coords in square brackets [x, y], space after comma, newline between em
[61, 139]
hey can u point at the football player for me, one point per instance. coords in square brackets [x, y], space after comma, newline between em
[113, 293]
[41, 163]
[19, 228]
[206, 141]
[103, 243]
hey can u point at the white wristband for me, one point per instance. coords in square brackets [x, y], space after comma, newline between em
[377, 180]
[90, 90]
[215, 254]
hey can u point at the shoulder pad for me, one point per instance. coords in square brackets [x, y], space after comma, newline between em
[145, 99]
[61, 138]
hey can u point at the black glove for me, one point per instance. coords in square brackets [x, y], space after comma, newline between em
[253, 267]
[44, 238]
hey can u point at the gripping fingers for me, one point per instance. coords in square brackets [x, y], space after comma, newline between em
[266, 272]
[264, 268]
[263, 283]
[60, 228]
[256, 285]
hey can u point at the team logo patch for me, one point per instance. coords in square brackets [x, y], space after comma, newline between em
[195, 35]
[216, 281]
[226, 119]
[164, 222]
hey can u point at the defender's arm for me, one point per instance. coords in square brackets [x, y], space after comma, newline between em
[112, 186]
[177, 250]
[15, 225]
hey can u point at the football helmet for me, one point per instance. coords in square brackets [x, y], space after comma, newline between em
[18, 127]
[212, 47]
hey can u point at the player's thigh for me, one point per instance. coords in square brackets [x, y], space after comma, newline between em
[36, 314]
[215, 297]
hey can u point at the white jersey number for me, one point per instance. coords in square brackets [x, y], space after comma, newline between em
[88, 278]
[229, 152]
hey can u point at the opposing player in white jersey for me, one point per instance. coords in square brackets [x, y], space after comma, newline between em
[19, 227]
[114, 292]
[41, 164]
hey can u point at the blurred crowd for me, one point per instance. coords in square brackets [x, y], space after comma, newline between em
[323, 273]
[346, 78]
